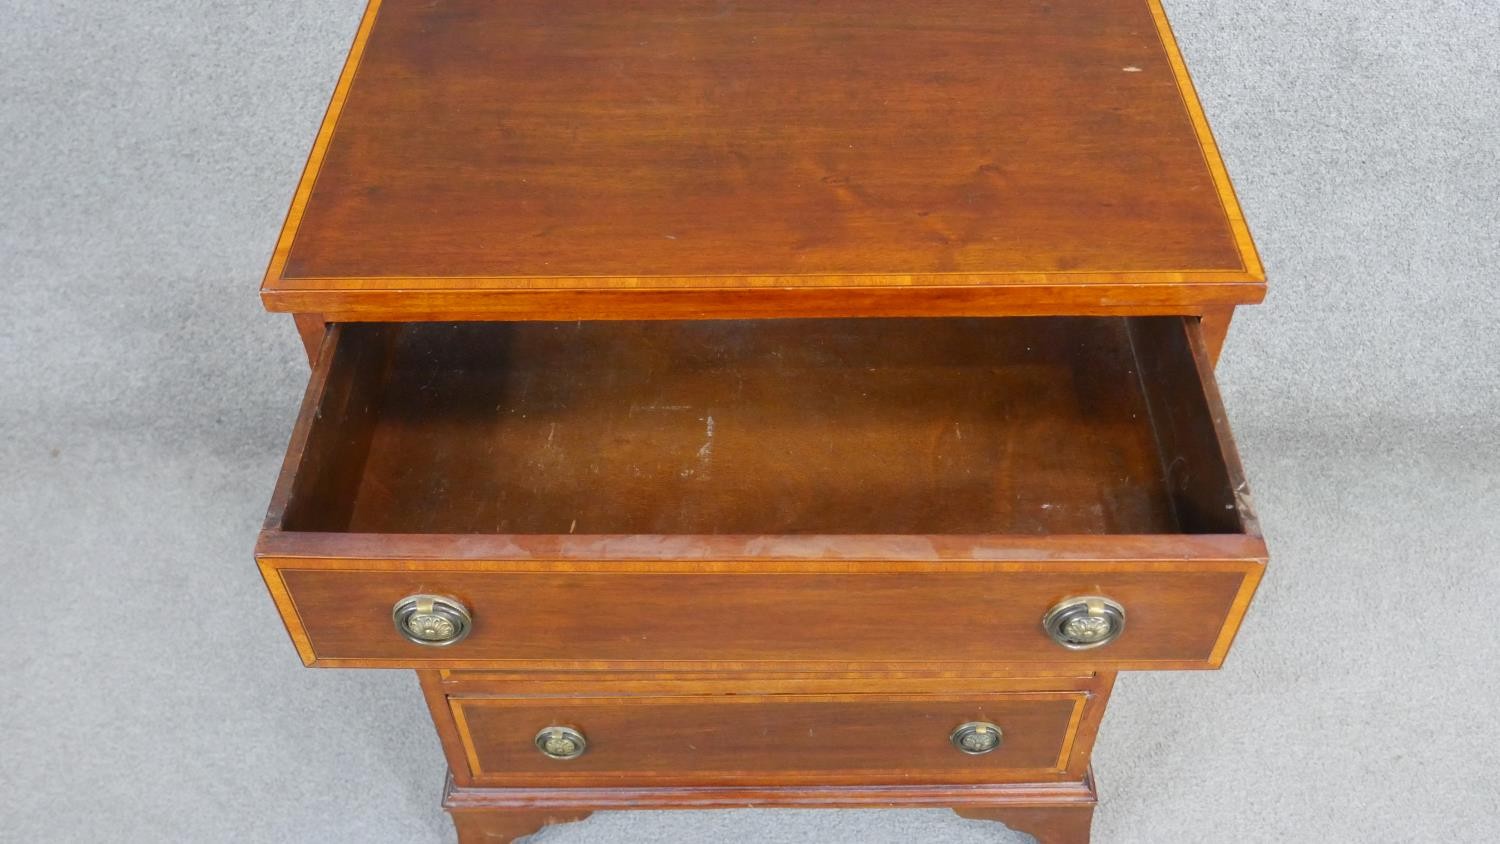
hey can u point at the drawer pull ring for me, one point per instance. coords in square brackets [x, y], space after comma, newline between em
[976, 738]
[561, 743]
[432, 620]
[1084, 622]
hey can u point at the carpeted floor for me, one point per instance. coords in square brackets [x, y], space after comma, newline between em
[148, 150]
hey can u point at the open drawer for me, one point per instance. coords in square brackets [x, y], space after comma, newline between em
[860, 494]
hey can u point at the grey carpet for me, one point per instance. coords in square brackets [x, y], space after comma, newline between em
[147, 153]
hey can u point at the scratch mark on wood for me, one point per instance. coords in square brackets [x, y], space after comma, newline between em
[706, 452]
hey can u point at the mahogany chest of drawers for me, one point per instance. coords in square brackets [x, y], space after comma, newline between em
[802, 405]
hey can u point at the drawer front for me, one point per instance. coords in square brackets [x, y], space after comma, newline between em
[740, 615]
[754, 739]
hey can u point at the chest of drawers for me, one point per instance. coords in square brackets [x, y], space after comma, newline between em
[800, 405]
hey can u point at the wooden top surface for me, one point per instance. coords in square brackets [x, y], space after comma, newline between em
[593, 158]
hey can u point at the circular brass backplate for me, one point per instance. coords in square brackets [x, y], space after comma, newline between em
[976, 738]
[1084, 622]
[432, 620]
[561, 743]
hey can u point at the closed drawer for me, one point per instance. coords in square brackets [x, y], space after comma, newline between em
[751, 739]
[809, 494]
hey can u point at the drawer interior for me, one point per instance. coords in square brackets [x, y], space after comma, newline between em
[1017, 425]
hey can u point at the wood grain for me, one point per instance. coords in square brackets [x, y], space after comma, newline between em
[1048, 825]
[707, 544]
[503, 827]
[797, 796]
[644, 694]
[1199, 467]
[580, 159]
[1215, 325]
[768, 427]
[435, 694]
[769, 739]
[1185, 296]
[1057, 813]
[1092, 445]
[618, 616]
[311, 328]
[919, 680]
[1091, 717]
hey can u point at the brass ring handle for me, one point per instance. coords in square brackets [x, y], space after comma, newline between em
[976, 738]
[561, 743]
[432, 620]
[1088, 621]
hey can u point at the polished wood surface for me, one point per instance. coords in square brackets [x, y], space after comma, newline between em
[1065, 794]
[1040, 808]
[1048, 825]
[760, 561]
[445, 691]
[905, 426]
[860, 697]
[1215, 325]
[596, 683]
[768, 739]
[745, 616]
[753, 458]
[310, 329]
[503, 827]
[800, 796]
[583, 159]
